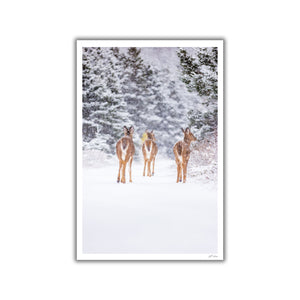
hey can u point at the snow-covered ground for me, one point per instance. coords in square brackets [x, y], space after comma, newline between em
[150, 215]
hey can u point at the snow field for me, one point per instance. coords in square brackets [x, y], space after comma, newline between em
[150, 215]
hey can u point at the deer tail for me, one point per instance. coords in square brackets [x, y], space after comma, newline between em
[148, 145]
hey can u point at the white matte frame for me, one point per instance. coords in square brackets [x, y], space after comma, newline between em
[149, 43]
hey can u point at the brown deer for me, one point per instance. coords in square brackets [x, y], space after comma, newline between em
[182, 154]
[149, 149]
[125, 151]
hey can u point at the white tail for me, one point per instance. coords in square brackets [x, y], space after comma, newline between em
[125, 151]
[182, 154]
[149, 149]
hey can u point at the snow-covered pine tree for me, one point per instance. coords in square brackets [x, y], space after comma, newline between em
[104, 107]
[159, 105]
[135, 91]
[89, 99]
[165, 114]
[134, 84]
[199, 71]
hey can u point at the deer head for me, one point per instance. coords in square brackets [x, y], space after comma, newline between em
[150, 135]
[188, 136]
[128, 132]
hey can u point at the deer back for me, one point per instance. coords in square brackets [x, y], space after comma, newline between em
[182, 148]
[125, 146]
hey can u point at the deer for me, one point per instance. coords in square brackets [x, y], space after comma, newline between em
[182, 153]
[149, 149]
[125, 151]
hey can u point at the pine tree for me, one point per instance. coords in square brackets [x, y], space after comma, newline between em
[104, 107]
[200, 74]
[134, 84]
[90, 101]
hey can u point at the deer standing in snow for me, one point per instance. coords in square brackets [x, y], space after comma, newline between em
[149, 149]
[125, 151]
[182, 154]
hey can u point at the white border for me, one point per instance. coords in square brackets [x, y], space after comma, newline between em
[150, 43]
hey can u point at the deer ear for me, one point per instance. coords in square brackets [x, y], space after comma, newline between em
[125, 130]
[182, 130]
[131, 129]
[187, 130]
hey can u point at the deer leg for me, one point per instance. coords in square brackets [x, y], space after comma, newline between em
[153, 166]
[144, 167]
[130, 163]
[120, 166]
[123, 180]
[184, 172]
[149, 168]
[180, 171]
